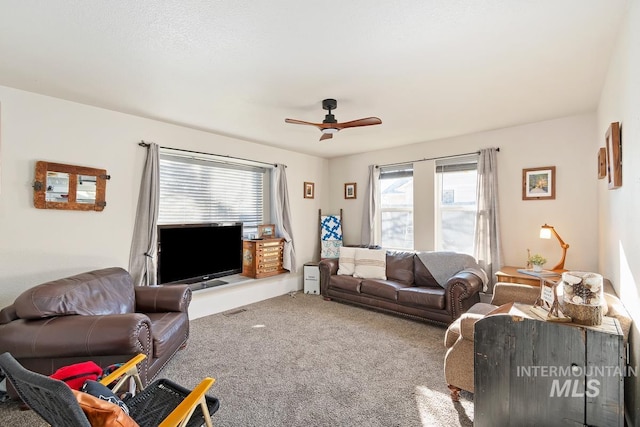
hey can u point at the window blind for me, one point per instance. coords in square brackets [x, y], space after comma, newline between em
[194, 190]
[396, 171]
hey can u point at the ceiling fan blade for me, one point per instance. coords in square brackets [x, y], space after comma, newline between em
[301, 122]
[326, 136]
[367, 121]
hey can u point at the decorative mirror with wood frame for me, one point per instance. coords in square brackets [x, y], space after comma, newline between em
[77, 188]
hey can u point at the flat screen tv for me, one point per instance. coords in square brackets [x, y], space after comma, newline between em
[192, 253]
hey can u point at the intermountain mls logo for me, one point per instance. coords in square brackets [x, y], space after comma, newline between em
[576, 381]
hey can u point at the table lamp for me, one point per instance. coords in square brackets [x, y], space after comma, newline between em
[545, 233]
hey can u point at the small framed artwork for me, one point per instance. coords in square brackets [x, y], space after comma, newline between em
[539, 183]
[614, 156]
[266, 231]
[602, 162]
[350, 190]
[309, 190]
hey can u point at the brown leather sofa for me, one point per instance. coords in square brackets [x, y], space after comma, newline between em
[98, 316]
[410, 288]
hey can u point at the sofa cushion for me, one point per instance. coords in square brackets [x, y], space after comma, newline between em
[422, 297]
[98, 292]
[347, 261]
[381, 288]
[346, 283]
[370, 263]
[400, 266]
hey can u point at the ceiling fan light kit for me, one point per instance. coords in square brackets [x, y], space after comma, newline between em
[330, 125]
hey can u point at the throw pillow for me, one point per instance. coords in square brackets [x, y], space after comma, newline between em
[370, 264]
[346, 261]
[101, 413]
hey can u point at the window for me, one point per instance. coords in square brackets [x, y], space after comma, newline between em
[194, 190]
[456, 204]
[396, 206]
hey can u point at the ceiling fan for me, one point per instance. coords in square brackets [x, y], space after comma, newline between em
[330, 125]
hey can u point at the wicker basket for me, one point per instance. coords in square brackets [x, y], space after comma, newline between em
[151, 406]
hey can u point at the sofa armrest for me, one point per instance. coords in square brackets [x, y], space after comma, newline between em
[77, 336]
[461, 292]
[327, 268]
[504, 293]
[159, 299]
[467, 324]
[8, 314]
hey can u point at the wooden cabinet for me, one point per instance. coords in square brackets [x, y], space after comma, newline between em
[530, 372]
[262, 258]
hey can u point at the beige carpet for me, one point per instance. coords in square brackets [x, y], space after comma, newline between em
[297, 360]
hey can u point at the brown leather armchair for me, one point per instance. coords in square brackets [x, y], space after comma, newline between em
[98, 316]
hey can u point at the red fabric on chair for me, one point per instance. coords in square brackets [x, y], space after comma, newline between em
[75, 375]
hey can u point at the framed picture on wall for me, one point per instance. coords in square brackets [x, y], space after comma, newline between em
[539, 183]
[614, 156]
[602, 162]
[350, 190]
[309, 190]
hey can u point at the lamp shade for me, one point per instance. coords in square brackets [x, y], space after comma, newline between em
[545, 233]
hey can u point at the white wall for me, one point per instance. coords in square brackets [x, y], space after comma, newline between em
[619, 209]
[37, 245]
[566, 143]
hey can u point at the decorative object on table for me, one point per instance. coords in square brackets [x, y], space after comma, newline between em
[309, 190]
[614, 156]
[539, 183]
[602, 162]
[545, 233]
[350, 190]
[583, 297]
[330, 125]
[547, 306]
[330, 235]
[266, 231]
[537, 261]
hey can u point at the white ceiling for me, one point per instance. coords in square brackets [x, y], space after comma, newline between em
[429, 69]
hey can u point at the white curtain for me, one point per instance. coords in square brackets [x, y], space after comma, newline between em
[368, 234]
[282, 214]
[487, 245]
[143, 260]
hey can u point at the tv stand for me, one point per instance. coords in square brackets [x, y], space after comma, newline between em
[206, 284]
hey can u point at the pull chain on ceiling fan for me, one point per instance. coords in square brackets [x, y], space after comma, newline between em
[330, 125]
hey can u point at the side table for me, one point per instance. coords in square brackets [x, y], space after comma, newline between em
[530, 372]
[511, 275]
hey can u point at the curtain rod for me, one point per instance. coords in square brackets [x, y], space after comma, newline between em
[146, 145]
[432, 158]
